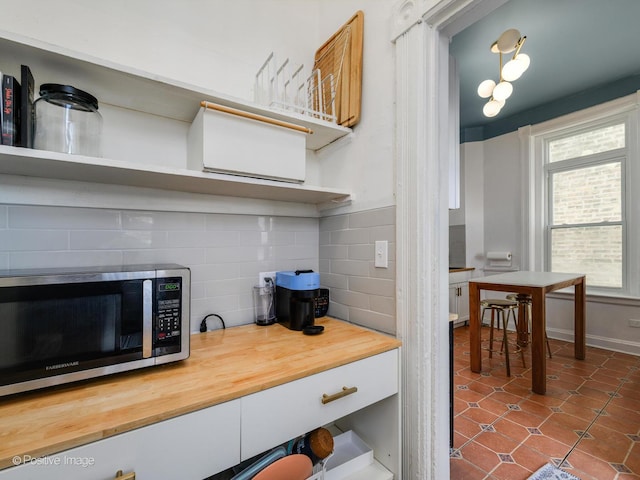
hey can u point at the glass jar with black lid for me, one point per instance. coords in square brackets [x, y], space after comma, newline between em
[67, 120]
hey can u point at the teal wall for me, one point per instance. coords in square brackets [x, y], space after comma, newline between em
[547, 111]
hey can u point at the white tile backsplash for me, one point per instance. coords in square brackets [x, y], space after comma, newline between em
[359, 292]
[117, 239]
[355, 268]
[181, 221]
[33, 240]
[63, 218]
[372, 218]
[3, 216]
[350, 237]
[307, 238]
[225, 252]
[202, 239]
[57, 259]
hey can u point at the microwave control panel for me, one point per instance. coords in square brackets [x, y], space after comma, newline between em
[168, 313]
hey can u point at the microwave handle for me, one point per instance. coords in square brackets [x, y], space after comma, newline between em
[147, 318]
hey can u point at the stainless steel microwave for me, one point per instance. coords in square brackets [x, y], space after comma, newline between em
[63, 325]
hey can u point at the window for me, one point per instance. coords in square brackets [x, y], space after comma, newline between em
[584, 205]
[585, 214]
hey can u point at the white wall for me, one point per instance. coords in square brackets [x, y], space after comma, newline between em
[500, 179]
[218, 44]
[364, 162]
[503, 196]
[472, 168]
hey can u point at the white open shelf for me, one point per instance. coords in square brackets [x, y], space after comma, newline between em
[139, 91]
[43, 164]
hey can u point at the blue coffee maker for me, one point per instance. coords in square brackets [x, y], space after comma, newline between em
[295, 298]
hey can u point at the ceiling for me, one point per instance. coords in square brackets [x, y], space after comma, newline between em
[583, 52]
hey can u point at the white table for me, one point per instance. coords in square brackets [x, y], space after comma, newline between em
[536, 284]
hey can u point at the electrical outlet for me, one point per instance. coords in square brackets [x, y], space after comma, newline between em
[263, 275]
[634, 322]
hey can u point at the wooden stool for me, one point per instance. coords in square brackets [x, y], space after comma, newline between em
[502, 309]
[524, 319]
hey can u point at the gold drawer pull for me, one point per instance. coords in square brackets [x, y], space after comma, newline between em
[345, 391]
[125, 476]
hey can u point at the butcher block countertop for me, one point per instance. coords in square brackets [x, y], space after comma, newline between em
[224, 365]
[460, 269]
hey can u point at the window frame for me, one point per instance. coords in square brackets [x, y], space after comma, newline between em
[616, 156]
[537, 234]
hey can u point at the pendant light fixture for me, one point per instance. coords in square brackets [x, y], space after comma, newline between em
[497, 93]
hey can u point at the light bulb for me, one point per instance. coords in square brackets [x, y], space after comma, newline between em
[485, 89]
[524, 61]
[491, 108]
[502, 91]
[512, 70]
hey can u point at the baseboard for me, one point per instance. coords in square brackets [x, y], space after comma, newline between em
[606, 343]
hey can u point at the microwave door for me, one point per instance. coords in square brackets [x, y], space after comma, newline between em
[56, 329]
[147, 319]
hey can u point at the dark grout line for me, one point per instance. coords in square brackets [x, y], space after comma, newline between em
[496, 420]
[614, 393]
[601, 411]
[529, 397]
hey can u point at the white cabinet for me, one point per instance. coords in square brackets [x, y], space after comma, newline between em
[459, 300]
[200, 444]
[145, 129]
[459, 293]
[274, 416]
[190, 447]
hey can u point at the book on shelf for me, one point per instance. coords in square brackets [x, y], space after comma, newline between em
[10, 111]
[27, 114]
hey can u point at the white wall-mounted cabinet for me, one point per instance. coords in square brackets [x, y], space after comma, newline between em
[145, 132]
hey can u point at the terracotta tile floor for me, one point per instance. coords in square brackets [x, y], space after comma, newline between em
[588, 423]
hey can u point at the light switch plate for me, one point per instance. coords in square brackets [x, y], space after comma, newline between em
[381, 254]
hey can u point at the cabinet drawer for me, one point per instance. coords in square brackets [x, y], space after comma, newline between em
[189, 447]
[276, 415]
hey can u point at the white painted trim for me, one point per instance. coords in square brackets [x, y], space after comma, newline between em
[406, 14]
[409, 295]
[532, 138]
[422, 254]
[447, 16]
[619, 300]
[592, 114]
[527, 236]
[606, 343]
[421, 31]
